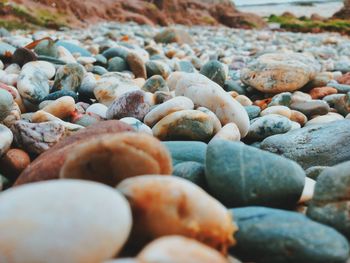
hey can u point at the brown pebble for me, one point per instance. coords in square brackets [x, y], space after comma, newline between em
[47, 166]
[14, 162]
[319, 93]
[345, 79]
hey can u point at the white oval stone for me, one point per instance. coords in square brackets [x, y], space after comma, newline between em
[62, 221]
[138, 125]
[204, 92]
[6, 138]
[279, 110]
[98, 109]
[47, 67]
[329, 117]
[169, 106]
[229, 132]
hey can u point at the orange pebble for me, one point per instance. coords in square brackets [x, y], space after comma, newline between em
[14, 162]
[319, 93]
[262, 103]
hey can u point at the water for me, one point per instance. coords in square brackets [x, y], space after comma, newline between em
[324, 8]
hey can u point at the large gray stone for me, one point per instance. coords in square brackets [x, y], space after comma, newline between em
[315, 145]
[331, 202]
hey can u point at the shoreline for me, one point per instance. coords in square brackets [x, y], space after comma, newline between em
[322, 9]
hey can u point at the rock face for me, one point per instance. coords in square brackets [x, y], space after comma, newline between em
[312, 145]
[162, 12]
[344, 13]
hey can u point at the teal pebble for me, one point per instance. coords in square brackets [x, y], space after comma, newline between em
[276, 236]
[231, 85]
[61, 93]
[215, 71]
[117, 64]
[330, 204]
[186, 151]
[155, 83]
[253, 111]
[240, 175]
[191, 171]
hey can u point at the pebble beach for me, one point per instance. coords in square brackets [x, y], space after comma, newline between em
[123, 143]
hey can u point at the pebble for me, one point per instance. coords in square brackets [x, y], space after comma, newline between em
[14, 162]
[6, 102]
[6, 139]
[138, 126]
[229, 132]
[314, 171]
[192, 171]
[48, 165]
[99, 109]
[311, 146]
[178, 103]
[33, 84]
[206, 93]
[186, 151]
[268, 125]
[330, 203]
[253, 111]
[37, 137]
[93, 220]
[283, 236]
[215, 71]
[178, 249]
[131, 104]
[112, 156]
[319, 93]
[279, 110]
[69, 77]
[111, 86]
[185, 125]
[280, 72]
[240, 175]
[117, 64]
[330, 117]
[61, 108]
[181, 205]
[311, 108]
[155, 83]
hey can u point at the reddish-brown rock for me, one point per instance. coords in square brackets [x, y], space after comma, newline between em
[319, 93]
[14, 162]
[344, 13]
[345, 79]
[161, 12]
[47, 166]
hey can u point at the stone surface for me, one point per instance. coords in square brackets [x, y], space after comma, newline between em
[186, 151]
[311, 108]
[268, 125]
[204, 92]
[180, 205]
[311, 146]
[37, 137]
[280, 72]
[178, 249]
[185, 125]
[86, 222]
[111, 158]
[131, 104]
[191, 171]
[330, 204]
[48, 165]
[282, 236]
[6, 139]
[240, 175]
